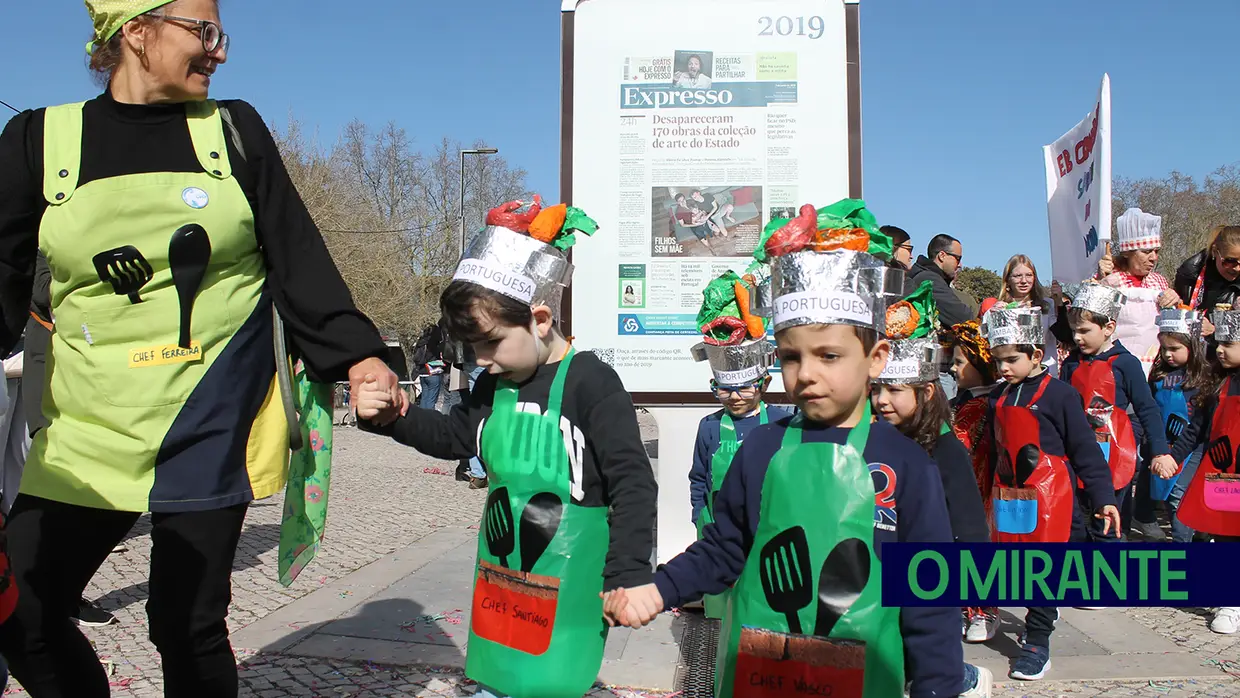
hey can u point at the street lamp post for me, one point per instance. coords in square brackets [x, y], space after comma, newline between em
[469, 151]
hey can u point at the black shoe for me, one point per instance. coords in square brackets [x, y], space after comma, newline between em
[91, 615]
[478, 483]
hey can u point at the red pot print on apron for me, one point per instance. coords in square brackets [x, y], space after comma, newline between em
[1095, 381]
[1211, 503]
[1032, 500]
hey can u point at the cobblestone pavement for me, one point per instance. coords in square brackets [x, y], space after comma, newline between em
[385, 497]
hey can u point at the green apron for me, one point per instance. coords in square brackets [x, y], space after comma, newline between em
[817, 514]
[715, 605]
[536, 624]
[135, 337]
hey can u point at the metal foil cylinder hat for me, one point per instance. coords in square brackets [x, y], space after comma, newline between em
[1004, 326]
[734, 339]
[521, 252]
[1180, 321]
[1226, 324]
[912, 327]
[1095, 297]
[1137, 230]
[827, 266]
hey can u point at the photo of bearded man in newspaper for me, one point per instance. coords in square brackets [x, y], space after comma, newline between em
[693, 70]
[705, 221]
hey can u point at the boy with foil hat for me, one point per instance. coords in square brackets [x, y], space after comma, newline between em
[571, 507]
[802, 489]
[740, 356]
[1043, 446]
[1109, 379]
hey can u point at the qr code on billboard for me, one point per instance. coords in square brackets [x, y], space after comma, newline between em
[607, 356]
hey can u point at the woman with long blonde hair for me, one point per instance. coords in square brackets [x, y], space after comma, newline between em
[1022, 288]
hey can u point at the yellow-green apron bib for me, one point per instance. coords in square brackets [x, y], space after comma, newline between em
[536, 622]
[715, 605]
[806, 617]
[139, 418]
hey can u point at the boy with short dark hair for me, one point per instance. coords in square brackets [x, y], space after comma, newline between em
[1109, 379]
[1043, 445]
[809, 501]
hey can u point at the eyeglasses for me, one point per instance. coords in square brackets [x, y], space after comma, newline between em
[1230, 261]
[213, 38]
[744, 391]
[1021, 277]
[958, 257]
[906, 246]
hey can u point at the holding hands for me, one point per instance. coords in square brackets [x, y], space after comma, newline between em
[634, 607]
[1164, 466]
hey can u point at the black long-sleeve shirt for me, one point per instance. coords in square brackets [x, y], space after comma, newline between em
[326, 328]
[1198, 431]
[609, 462]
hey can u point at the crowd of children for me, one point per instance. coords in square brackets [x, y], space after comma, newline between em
[792, 508]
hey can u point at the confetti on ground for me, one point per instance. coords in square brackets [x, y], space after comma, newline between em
[437, 471]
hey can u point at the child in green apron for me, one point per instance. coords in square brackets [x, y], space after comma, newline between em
[735, 344]
[808, 502]
[571, 508]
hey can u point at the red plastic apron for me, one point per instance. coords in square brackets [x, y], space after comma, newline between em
[1212, 502]
[1032, 499]
[1095, 381]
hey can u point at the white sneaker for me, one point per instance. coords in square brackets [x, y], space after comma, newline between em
[985, 680]
[983, 627]
[1226, 621]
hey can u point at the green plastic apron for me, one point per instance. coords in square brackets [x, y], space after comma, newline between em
[715, 605]
[136, 333]
[806, 618]
[536, 625]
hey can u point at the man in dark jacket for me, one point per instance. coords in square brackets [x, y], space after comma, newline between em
[940, 265]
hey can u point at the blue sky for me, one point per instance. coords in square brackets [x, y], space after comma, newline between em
[958, 95]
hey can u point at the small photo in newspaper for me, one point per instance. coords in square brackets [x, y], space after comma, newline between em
[705, 221]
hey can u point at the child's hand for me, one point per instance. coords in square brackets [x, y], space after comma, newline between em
[1164, 466]
[371, 399]
[1110, 516]
[634, 607]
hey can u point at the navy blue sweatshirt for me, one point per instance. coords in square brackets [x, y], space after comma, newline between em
[1132, 388]
[1064, 431]
[708, 439]
[1198, 431]
[964, 500]
[932, 650]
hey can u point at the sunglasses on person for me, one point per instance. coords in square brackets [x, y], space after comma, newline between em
[1230, 262]
[213, 38]
[744, 391]
[958, 257]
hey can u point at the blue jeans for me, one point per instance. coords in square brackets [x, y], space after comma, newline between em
[1179, 532]
[473, 371]
[484, 692]
[431, 385]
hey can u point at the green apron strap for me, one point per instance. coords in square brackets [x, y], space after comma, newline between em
[206, 130]
[726, 422]
[62, 152]
[556, 397]
[857, 436]
[762, 418]
[944, 429]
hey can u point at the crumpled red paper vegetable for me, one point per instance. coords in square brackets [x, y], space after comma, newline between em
[796, 234]
[507, 215]
[733, 325]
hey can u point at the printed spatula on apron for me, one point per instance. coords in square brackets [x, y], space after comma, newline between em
[843, 577]
[786, 578]
[1220, 454]
[126, 269]
[497, 525]
[539, 521]
[1175, 426]
[189, 252]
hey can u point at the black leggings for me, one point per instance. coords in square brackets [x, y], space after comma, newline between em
[56, 548]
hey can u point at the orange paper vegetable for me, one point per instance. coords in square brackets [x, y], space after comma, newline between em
[752, 322]
[547, 224]
[902, 320]
[854, 239]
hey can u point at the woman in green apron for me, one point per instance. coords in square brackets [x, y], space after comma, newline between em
[170, 227]
[739, 363]
[558, 436]
[809, 501]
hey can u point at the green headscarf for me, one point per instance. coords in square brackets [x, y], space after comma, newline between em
[110, 15]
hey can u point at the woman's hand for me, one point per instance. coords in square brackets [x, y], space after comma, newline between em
[1169, 299]
[1207, 327]
[373, 369]
[1106, 266]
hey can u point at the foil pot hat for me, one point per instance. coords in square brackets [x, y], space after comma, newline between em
[1004, 326]
[913, 361]
[1226, 325]
[736, 364]
[516, 265]
[1103, 300]
[839, 287]
[1179, 321]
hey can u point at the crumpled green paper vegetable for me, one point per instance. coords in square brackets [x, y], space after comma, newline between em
[578, 221]
[719, 299]
[845, 213]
